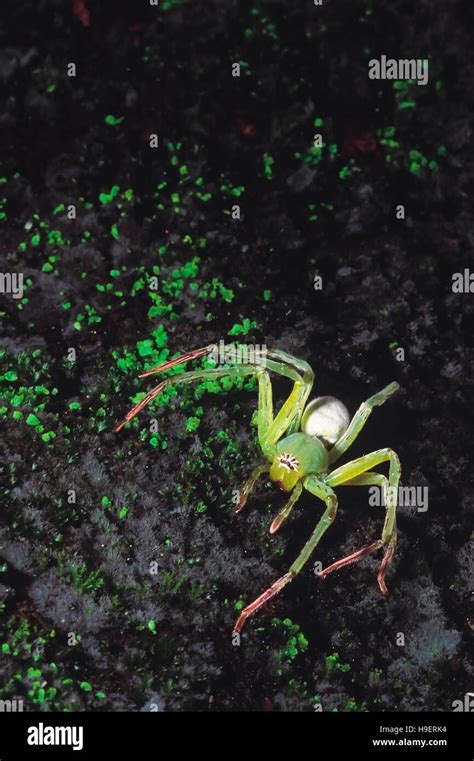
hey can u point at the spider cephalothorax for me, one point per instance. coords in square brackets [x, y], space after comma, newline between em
[300, 444]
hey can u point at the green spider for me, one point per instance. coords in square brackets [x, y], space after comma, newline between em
[297, 459]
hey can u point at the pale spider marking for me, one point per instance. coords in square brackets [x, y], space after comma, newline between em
[289, 461]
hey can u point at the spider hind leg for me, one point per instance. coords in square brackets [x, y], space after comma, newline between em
[355, 473]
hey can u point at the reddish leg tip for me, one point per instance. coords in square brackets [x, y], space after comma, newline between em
[349, 560]
[265, 597]
[382, 584]
[241, 504]
[276, 524]
[387, 559]
[381, 578]
[238, 626]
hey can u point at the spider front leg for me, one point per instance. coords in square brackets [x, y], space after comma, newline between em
[289, 417]
[326, 494]
[355, 473]
[193, 375]
[269, 429]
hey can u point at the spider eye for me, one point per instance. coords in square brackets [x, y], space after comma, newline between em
[327, 418]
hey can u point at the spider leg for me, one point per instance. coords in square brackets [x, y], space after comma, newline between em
[178, 361]
[366, 479]
[326, 494]
[250, 484]
[270, 429]
[287, 508]
[265, 404]
[359, 420]
[289, 418]
[193, 375]
[265, 422]
[361, 465]
[354, 557]
[236, 371]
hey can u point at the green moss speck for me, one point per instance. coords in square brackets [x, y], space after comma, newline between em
[192, 424]
[151, 625]
[112, 120]
[243, 328]
[333, 662]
